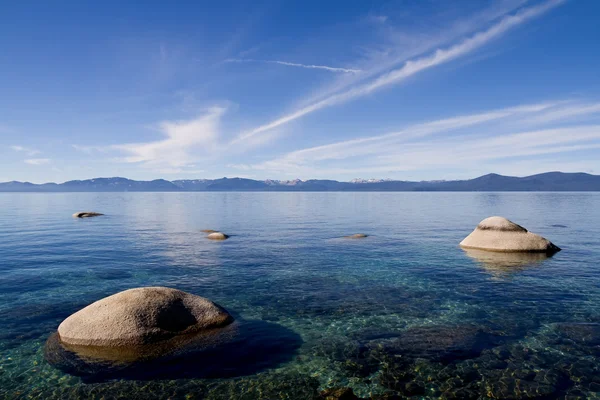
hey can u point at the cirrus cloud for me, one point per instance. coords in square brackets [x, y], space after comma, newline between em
[185, 142]
[37, 161]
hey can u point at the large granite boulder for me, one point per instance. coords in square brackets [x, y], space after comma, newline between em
[141, 316]
[217, 236]
[86, 214]
[500, 234]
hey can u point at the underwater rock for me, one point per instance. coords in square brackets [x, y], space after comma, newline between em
[577, 338]
[500, 234]
[355, 359]
[338, 394]
[506, 386]
[357, 236]
[86, 214]
[217, 236]
[208, 231]
[580, 333]
[440, 343]
[141, 316]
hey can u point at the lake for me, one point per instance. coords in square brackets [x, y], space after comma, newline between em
[404, 311]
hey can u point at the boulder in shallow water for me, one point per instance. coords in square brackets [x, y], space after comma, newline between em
[141, 316]
[357, 236]
[86, 214]
[217, 236]
[500, 234]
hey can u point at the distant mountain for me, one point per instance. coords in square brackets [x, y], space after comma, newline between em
[550, 181]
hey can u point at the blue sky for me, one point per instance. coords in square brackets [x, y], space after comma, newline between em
[309, 89]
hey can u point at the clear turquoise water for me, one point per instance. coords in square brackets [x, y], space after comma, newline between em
[404, 311]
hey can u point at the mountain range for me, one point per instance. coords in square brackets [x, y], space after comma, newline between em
[549, 181]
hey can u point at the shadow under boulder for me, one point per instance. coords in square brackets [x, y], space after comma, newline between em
[242, 348]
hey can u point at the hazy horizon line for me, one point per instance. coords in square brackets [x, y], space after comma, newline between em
[301, 180]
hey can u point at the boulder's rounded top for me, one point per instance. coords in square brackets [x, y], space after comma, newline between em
[500, 234]
[217, 236]
[500, 224]
[141, 316]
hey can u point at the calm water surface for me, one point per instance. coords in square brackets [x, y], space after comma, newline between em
[404, 311]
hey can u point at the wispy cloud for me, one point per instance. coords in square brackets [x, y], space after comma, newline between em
[411, 67]
[377, 19]
[88, 149]
[29, 151]
[395, 43]
[37, 161]
[290, 64]
[475, 139]
[185, 142]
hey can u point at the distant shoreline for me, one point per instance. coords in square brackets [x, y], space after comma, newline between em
[546, 182]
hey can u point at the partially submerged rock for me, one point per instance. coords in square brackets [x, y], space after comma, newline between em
[141, 316]
[217, 236]
[357, 236]
[500, 234]
[208, 231]
[86, 214]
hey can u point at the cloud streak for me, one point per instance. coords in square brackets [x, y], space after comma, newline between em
[411, 67]
[88, 149]
[185, 141]
[475, 139]
[290, 64]
[22, 149]
[37, 161]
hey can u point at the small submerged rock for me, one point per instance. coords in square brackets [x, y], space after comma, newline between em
[443, 343]
[86, 214]
[500, 234]
[583, 333]
[356, 236]
[208, 230]
[217, 236]
[338, 393]
[141, 316]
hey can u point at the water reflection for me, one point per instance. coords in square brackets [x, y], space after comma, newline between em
[504, 264]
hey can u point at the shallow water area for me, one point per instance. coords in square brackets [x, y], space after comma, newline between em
[403, 311]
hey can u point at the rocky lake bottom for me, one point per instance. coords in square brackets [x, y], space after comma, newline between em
[401, 313]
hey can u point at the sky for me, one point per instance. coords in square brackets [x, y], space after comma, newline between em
[407, 89]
